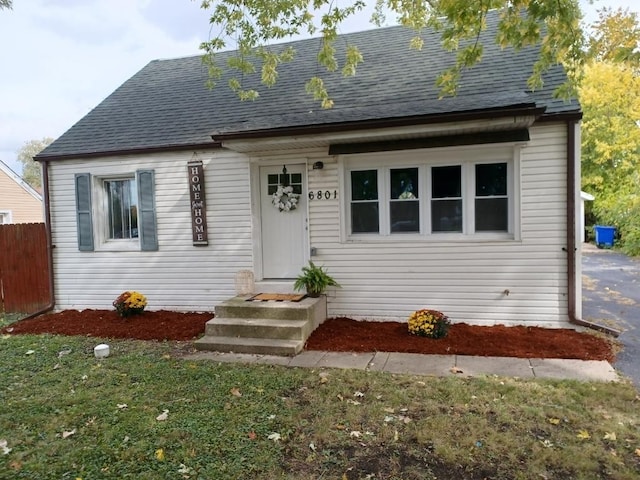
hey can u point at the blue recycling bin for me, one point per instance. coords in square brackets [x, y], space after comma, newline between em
[604, 235]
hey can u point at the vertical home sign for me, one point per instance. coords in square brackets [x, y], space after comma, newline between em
[195, 170]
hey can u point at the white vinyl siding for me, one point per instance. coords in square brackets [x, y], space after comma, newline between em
[482, 280]
[485, 278]
[179, 276]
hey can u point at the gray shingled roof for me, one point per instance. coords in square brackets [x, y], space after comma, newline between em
[167, 105]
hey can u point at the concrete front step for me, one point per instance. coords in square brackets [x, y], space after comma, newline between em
[259, 328]
[269, 328]
[262, 346]
[239, 307]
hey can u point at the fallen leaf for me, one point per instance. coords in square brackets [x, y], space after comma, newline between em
[275, 436]
[396, 436]
[84, 377]
[388, 410]
[29, 352]
[160, 455]
[62, 353]
[15, 465]
[56, 366]
[236, 392]
[358, 394]
[638, 452]
[610, 436]
[340, 397]
[69, 433]
[583, 435]
[353, 402]
[183, 469]
[271, 417]
[252, 435]
[312, 446]
[388, 418]
[456, 370]
[4, 448]
[355, 434]
[163, 416]
[554, 421]
[547, 443]
[122, 406]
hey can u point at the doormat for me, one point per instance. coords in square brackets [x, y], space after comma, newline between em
[276, 297]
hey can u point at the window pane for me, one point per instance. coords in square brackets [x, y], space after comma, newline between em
[272, 179]
[404, 183]
[364, 217]
[491, 179]
[446, 215]
[446, 182]
[364, 185]
[492, 214]
[122, 200]
[296, 178]
[405, 216]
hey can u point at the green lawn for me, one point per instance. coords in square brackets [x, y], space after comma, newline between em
[66, 415]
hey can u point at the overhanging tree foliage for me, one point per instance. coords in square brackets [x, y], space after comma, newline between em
[610, 98]
[250, 26]
[6, 4]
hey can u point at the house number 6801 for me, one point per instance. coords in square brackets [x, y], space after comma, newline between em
[323, 195]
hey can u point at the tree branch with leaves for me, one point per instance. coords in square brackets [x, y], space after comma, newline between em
[252, 26]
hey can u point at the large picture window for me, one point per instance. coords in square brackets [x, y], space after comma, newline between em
[491, 200]
[364, 202]
[404, 204]
[436, 197]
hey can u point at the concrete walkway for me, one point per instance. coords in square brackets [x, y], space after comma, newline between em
[431, 365]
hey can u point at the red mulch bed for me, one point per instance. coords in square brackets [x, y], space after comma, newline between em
[338, 334]
[343, 334]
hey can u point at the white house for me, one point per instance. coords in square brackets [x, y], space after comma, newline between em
[464, 204]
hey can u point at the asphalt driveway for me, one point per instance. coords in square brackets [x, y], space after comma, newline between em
[611, 296]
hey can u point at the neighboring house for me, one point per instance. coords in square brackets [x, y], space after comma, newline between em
[466, 204]
[19, 202]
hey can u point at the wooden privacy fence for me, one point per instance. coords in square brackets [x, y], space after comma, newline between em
[24, 268]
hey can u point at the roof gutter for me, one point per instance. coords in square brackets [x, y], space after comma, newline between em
[129, 151]
[527, 109]
[47, 220]
[571, 235]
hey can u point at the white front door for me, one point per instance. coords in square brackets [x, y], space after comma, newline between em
[284, 233]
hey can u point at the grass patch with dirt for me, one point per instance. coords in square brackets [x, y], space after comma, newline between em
[66, 414]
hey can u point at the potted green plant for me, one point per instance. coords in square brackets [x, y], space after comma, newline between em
[314, 279]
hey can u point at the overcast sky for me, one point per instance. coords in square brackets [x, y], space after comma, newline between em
[60, 58]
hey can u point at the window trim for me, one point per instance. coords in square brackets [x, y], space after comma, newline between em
[467, 156]
[101, 216]
[90, 199]
[5, 215]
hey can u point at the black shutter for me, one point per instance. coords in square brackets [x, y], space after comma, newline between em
[147, 210]
[83, 212]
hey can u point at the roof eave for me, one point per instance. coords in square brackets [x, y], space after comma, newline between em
[129, 151]
[529, 109]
